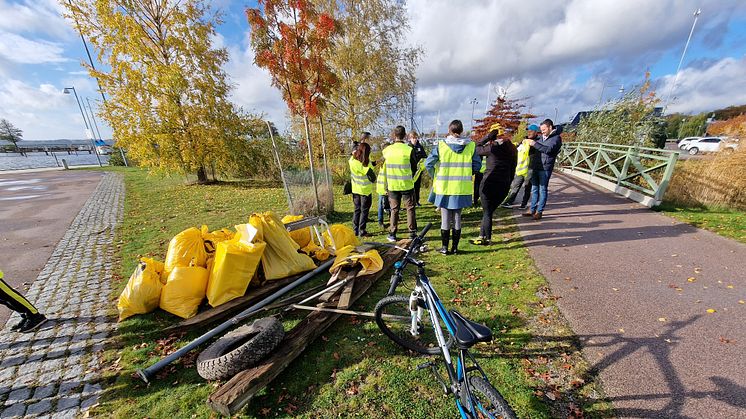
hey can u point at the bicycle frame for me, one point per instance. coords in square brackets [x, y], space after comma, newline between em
[457, 376]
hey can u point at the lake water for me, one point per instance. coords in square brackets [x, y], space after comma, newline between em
[14, 161]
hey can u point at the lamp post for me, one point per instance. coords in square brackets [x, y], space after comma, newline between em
[88, 130]
[683, 120]
[683, 53]
[473, 102]
[603, 88]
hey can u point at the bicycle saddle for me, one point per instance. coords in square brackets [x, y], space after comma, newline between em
[467, 332]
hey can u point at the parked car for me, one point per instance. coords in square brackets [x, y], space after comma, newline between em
[729, 146]
[704, 145]
[685, 142]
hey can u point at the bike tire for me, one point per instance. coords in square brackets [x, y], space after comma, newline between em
[481, 391]
[398, 329]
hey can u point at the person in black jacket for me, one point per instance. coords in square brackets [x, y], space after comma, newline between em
[418, 153]
[542, 155]
[502, 158]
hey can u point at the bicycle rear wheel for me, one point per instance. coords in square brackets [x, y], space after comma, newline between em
[395, 321]
[489, 403]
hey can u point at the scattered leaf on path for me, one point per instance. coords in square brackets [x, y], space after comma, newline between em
[691, 279]
[661, 319]
[711, 310]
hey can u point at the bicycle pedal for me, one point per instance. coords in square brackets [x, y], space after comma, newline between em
[425, 365]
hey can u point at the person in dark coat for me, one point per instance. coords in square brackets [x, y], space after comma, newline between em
[502, 157]
[419, 153]
[542, 155]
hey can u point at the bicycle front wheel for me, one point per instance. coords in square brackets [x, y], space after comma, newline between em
[488, 402]
[395, 321]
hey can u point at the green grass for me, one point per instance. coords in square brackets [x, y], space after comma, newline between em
[353, 370]
[725, 222]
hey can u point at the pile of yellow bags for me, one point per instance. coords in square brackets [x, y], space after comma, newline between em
[143, 291]
[281, 258]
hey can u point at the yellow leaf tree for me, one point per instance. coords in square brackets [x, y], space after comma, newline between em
[168, 92]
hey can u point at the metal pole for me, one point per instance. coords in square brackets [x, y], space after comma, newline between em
[683, 53]
[148, 373]
[96, 125]
[279, 164]
[473, 104]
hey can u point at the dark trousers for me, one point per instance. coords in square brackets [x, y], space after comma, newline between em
[515, 187]
[360, 215]
[395, 200]
[15, 301]
[417, 185]
[492, 195]
[477, 183]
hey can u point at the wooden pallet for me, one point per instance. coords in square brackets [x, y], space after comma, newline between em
[239, 390]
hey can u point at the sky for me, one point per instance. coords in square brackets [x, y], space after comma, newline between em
[559, 57]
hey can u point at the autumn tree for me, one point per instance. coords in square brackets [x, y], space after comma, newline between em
[506, 112]
[375, 68]
[291, 39]
[693, 125]
[168, 93]
[734, 127]
[9, 133]
[632, 120]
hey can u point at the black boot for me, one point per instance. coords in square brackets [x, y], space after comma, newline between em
[456, 238]
[445, 236]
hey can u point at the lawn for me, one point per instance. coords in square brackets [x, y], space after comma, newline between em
[725, 222]
[353, 370]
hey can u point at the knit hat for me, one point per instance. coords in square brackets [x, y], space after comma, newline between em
[533, 127]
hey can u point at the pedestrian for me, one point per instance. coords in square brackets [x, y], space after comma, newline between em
[456, 160]
[383, 198]
[420, 154]
[400, 168]
[501, 156]
[522, 171]
[364, 138]
[362, 178]
[31, 319]
[543, 153]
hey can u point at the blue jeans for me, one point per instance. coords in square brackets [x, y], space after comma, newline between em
[381, 204]
[539, 184]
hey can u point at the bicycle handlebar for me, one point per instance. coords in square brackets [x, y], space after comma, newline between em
[401, 264]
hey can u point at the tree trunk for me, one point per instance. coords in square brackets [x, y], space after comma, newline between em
[201, 175]
[310, 161]
[330, 204]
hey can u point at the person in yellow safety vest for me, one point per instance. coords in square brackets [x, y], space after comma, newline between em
[383, 198]
[501, 161]
[420, 155]
[451, 164]
[362, 178]
[400, 169]
[522, 171]
[478, 181]
[31, 319]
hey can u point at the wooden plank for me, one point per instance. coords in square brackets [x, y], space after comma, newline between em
[225, 311]
[239, 390]
[344, 298]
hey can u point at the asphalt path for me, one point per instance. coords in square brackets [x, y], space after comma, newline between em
[657, 304]
[36, 208]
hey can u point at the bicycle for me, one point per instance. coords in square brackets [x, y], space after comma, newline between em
[403, 319]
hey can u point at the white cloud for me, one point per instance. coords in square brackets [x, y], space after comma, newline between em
[18, 49]
[36, 17]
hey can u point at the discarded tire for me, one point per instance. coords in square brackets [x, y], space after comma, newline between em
[240, 349]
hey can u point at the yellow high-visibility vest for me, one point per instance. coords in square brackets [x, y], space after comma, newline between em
[361, 185]
[484, 165]
[453, 176]
[522, 168]
[398, 168]
[381, 180]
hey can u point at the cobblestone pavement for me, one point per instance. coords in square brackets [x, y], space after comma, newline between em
[54, 371]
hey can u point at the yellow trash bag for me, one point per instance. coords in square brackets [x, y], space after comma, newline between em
[371, 260]
[212, 238]
[302, 236]
[185, 249]
[281, 258]
[143, 290]
[343, 236]
[234, 265]
[184, 290]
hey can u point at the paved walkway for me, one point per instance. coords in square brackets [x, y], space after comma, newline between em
[54, 372]
[636, 287]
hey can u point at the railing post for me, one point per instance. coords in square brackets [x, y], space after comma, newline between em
[598, 159]
[625, 167]
[666, 177]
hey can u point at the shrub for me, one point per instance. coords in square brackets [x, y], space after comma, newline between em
[718, 181]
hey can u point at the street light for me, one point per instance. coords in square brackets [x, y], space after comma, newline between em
[473, 102]
[605, 85]
[88, 131]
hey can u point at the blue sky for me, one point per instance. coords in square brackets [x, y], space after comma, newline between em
[559, 59]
